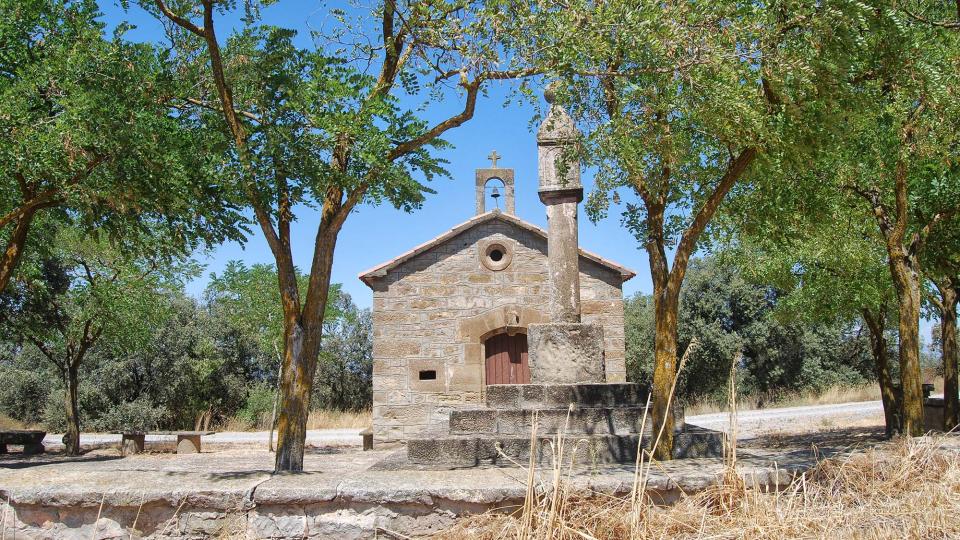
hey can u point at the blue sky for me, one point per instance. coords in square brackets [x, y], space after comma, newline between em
[372, 234]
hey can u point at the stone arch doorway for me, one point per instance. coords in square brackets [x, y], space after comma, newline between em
[506, 359]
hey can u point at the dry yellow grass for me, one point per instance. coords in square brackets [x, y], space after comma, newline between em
[324, 419]
[839, 394]
[11, 423]
[908, 488]
[319, 419]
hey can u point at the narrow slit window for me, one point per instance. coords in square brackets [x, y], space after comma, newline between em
[428, 375]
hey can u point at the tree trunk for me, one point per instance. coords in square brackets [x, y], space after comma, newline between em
[71, 439]
[13, 253]
[666, 305]
[276, 396]
[878, 342]
[302, 347]
[948, 329]
[907, 283]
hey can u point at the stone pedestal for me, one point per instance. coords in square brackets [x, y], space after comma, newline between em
[132, 443]
[565, 353]
[188, 443]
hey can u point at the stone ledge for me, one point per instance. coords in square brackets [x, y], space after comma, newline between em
[580, 421]
[533, 396]
[473, 450]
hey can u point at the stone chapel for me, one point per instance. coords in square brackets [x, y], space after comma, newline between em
[452, 316]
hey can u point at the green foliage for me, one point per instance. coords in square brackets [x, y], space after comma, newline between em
[89, 133]
[259, 404]
[344, 378]
[250, 300]
[727, 313]
[198, 358]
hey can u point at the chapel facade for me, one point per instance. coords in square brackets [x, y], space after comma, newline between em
[451, 316]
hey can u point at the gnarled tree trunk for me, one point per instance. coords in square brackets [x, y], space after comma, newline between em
[907, 284]
[949, 297]
[878, 343]
[303, 332]
[71, 439]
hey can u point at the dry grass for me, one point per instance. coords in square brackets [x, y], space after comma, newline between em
[319, 419]
[11, 423]
[904, 489]
[837, 394]
[324, 419]
[909, 488]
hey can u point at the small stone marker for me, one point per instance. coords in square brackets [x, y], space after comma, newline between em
[132, 442]
[188, 442]
[367, 435]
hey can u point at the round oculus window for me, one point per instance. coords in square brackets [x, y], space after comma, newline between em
[496, 255]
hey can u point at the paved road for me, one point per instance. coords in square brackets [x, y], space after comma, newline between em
[792, 418]
[317, 437]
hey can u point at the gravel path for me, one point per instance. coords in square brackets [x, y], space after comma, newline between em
[316, 437]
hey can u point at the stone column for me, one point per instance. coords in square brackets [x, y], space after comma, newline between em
[563, 350]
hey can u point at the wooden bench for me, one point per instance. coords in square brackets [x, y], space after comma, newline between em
[188, 442]
[31, 439]
[367, 435]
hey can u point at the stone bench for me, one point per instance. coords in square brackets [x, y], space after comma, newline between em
[30, 439]
[188, 442]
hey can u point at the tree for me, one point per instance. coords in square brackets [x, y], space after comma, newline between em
[345, 374]
[677, 113]
[87, 134]
[941, 260]
[729, 313]
[313, 129]
[81, 293]
[899, 139]
[827, 262]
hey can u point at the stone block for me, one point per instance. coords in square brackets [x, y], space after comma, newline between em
[396, 348]
[473, 421]
[447, 450]
[565, 353]
[427, 375]
[465, 377]
[504, 396]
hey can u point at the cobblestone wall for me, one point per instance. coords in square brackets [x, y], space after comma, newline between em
[432, 313]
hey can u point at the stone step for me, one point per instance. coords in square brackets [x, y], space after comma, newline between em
[534, 396]
[581, 421]
[470, 451]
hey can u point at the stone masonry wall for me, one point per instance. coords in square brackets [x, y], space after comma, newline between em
[433, 312]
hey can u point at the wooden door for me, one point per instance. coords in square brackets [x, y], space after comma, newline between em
[507, 359]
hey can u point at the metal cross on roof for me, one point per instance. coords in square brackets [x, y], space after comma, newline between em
[493, 157]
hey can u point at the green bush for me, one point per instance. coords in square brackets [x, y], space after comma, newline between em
[135, 415]
[256, 410]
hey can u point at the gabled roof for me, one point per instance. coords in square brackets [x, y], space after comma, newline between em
[381, 270]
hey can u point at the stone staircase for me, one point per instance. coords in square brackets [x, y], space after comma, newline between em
[601, 423]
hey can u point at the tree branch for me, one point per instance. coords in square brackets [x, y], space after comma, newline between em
[688, 241]
[469, 106]
[206, 105]
[940, 24]
[182, 22]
